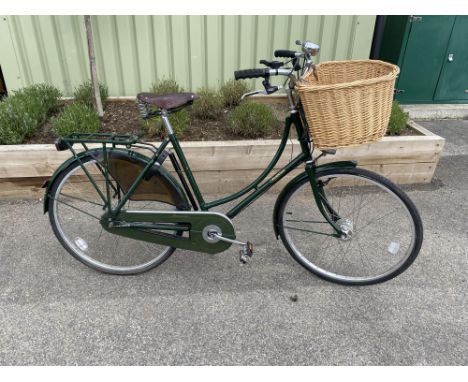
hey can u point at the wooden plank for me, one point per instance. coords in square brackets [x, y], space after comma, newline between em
[227, 166]
[21, 188]
[405, 173]
[231, 181]
[227, 159]
[42, 160]
[222, 182]
[258, 156]
[270, 99]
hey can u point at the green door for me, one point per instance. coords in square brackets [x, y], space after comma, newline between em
[453, 81]
[424, 57]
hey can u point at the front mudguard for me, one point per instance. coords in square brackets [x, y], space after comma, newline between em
[169, 181]
[299, 178]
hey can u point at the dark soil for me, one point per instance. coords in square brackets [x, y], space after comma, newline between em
[406, 131]
[121, 117]
[44, 134]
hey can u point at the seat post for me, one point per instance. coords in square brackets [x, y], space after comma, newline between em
[167, 124]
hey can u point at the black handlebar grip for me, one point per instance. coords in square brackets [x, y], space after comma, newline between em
[285, 53]
[251, 73]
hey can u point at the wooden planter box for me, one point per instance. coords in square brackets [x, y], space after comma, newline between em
[227, 166]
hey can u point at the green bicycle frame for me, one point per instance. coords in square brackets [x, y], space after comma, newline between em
[255, 188]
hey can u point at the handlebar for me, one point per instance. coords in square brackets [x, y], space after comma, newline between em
[309, 49]
[274, 68]
[251, 73]
[261, 73]
[286, 53]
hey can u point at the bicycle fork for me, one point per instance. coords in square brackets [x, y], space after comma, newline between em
[343, 230]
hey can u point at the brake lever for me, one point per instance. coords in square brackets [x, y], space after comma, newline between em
[260, 91]
[272, 64]
[245, 95]
[269, 89]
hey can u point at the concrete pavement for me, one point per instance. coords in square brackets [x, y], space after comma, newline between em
[436, 111]
[204, 309]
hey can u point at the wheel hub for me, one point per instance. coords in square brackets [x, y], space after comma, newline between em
[346, 226]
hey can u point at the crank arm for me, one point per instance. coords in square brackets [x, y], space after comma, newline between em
[245, 253]
[216, 235]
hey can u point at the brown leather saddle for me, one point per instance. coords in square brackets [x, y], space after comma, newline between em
[168, 101]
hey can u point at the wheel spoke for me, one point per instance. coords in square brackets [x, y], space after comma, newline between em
[362, 253]
[376, 219]
[308, 230]
[81, 199]
[306, 221]
[75, 208]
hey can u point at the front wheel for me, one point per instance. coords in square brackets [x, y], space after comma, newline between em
[384, 229]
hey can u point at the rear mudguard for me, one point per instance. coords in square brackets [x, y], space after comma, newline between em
[300, 178]
[169, 181]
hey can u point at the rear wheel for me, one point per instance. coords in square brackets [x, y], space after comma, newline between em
[75, 209]
[384, 227]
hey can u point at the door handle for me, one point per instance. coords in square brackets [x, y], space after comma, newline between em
[450, 57]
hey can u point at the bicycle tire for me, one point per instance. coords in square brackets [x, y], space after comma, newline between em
[67, 241]
[375, 182]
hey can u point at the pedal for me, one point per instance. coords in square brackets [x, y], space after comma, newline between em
[247, 248]
[246, 253]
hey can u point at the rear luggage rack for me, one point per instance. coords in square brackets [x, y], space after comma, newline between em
[108, 141]
[110, 138]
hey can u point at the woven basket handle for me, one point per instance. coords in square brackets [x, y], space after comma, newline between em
[314, 72]
[311, 71]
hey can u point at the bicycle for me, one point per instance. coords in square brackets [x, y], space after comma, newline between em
[121, 212]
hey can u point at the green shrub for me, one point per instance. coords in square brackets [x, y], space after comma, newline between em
[75, 118]
[209, 104]
[179, 122]
[165, 86]
[17, 121]
[84, 93]
[398, 119]
[251, 120]
[232, 91]
[23, 112]
[42, 96]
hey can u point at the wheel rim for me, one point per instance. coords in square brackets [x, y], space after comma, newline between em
[383, 230]
[76, 209]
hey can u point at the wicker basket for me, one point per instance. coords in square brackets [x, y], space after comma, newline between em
[348, 103]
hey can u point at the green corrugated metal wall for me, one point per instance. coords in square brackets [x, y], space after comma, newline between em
[132, 51]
